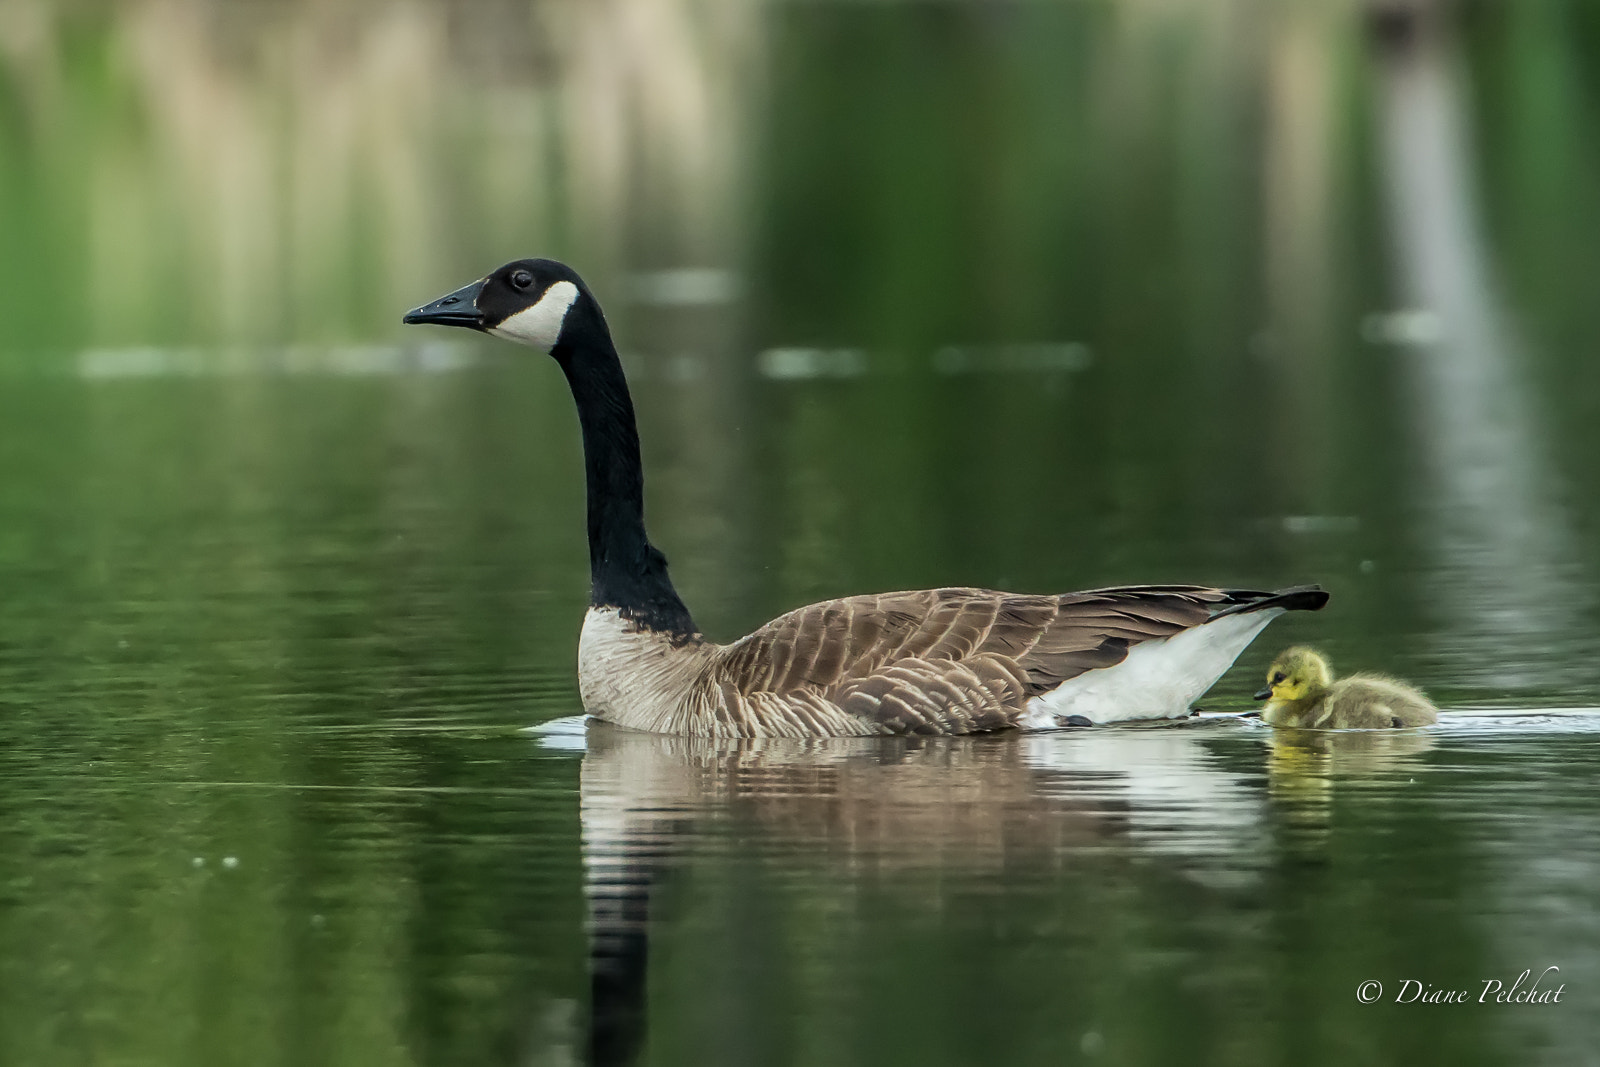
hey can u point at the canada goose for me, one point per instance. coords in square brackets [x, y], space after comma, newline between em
[1301, 692]
[938, 661]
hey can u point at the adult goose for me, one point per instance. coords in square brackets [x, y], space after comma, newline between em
[936, 661]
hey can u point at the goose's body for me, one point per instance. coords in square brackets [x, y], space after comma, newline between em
[938, 661]
[944, 661]
[1301, 693]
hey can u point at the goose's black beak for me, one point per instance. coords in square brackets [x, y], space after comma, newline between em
[1265, 694]
[459, 308]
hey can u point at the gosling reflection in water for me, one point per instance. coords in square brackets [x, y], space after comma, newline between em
[1305, 768]
[951, 805]
[1344, 752]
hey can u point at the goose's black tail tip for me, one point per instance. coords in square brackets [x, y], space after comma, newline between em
[1298, 598]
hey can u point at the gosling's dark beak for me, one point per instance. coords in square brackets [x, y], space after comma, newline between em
[1265, 694]
[459, 308]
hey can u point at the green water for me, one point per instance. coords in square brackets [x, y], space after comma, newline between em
[1033, 296]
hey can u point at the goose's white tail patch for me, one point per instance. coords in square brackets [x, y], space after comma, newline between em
[540, 325]
[1159, 679]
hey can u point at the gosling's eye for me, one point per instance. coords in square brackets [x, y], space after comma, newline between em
[1277, 679]
[521, 279]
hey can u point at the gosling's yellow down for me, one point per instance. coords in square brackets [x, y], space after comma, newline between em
[1301, 692]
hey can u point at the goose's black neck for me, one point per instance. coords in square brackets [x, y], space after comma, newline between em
[625, 570]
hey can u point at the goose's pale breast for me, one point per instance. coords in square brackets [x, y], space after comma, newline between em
[648, 680]
[635, 677]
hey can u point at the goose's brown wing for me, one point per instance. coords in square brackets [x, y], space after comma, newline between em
[1096, 628]
[939, 696]
[959, 660]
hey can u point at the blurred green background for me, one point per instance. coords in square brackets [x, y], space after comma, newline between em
[1033, 294]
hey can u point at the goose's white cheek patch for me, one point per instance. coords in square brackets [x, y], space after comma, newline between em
[540, 325]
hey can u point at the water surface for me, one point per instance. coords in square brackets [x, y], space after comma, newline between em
[269, 645]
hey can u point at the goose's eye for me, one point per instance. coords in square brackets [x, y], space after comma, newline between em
[521, 279]
[1277, 679]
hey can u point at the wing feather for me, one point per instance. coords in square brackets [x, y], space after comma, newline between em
[946, 660]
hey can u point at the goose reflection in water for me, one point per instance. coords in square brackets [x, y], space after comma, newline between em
[955, 806]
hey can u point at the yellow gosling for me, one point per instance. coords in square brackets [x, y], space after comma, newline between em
[1301, 692]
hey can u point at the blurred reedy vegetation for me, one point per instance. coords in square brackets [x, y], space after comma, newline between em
[180, 170]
